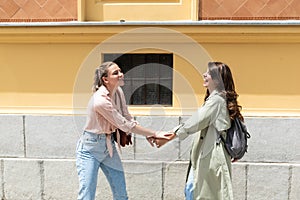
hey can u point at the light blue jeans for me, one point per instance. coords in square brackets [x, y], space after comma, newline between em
[92, 154]
[189, 193]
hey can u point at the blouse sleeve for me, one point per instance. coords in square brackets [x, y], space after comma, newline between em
[201, 119]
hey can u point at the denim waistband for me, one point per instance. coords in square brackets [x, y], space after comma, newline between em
[101, 135]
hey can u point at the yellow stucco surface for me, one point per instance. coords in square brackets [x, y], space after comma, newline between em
[137, 10]
[39, 65]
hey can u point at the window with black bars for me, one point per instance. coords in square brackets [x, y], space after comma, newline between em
[148, 77]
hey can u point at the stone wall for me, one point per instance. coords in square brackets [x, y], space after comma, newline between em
[37, 160]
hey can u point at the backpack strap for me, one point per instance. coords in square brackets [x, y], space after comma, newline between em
[220, 138]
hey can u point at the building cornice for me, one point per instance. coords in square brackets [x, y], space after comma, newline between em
[201, 31]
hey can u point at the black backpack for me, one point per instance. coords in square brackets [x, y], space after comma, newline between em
[236, 140]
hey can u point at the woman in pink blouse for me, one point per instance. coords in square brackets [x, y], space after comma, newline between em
[106, 112]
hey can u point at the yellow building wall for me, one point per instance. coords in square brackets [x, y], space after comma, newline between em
[39, 66]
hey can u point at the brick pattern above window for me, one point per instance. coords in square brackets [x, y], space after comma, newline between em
[249, 9]
[38, 10]
[66, 10]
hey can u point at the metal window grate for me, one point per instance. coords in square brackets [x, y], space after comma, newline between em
[148, 77]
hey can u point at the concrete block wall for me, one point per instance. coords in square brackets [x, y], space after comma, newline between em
[37, 160]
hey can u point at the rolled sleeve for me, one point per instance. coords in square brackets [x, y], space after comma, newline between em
[200, 119]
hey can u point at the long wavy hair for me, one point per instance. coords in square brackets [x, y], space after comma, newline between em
[222, 76]
[101, 71]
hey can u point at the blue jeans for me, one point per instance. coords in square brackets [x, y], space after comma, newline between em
[92, 154]
[189, 194]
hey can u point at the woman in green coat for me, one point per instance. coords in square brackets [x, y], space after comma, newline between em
[209, 174]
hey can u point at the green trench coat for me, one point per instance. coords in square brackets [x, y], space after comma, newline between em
[210, 161]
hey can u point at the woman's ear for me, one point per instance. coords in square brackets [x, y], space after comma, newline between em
[104, 79]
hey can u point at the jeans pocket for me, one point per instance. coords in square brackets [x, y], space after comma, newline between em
[90, 139]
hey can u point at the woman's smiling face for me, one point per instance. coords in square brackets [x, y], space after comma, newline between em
[208, 81]
[114, 78]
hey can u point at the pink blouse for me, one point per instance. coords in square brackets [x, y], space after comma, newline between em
[105, 113]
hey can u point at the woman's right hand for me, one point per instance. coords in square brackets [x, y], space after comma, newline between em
[161, 138]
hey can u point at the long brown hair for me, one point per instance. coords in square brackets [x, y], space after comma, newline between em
[222, 75]
[101, 71]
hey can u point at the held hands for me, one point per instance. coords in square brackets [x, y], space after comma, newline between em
[160, 138]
